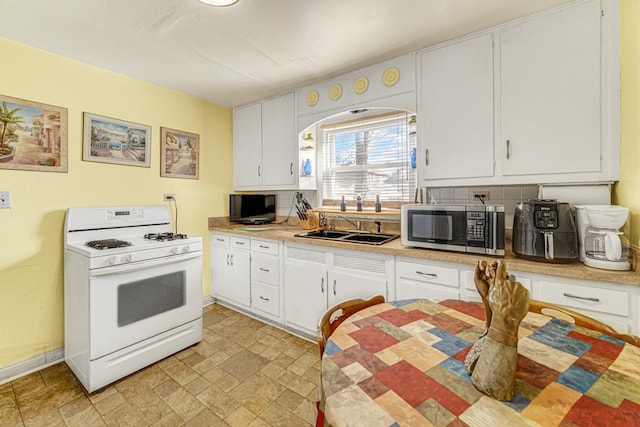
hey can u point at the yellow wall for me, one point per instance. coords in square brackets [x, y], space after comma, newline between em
[627, 190]
[31, 253]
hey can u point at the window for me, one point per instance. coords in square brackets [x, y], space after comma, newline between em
[369, 156]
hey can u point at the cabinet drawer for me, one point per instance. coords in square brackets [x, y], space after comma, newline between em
[471, 292]
[265, 269]
[240, 242]
[265, 246]
[428, 273]
[604, 300]
[221, 240]
[265, 298]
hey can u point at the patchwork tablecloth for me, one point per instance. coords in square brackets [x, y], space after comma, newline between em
[402, 364]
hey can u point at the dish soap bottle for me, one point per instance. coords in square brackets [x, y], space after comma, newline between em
[343, 205]
[378, 204]
[359, 203]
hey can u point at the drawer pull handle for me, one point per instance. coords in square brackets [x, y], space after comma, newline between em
[239, 243]
[266, 270]
[264, 247]
[219, 239]
[427, 274]
[263, 298]
[583, 298]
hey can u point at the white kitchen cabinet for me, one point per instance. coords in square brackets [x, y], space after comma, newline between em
[230, 269]
[317, 278]
[265, 142]
[266, 278]
[553, 110]
[455, 104]
[418, 278]
[550, 93]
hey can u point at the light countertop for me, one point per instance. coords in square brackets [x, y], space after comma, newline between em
[287, 233]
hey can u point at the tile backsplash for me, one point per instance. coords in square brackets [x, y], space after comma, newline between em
[498, 195]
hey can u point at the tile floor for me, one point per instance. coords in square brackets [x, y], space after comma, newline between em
[243, 373]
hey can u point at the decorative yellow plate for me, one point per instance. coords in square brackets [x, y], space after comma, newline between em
[312, 98]
[361, 84]
[390, 76]
[335, 92]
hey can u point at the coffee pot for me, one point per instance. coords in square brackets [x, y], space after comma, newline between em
[602, 244]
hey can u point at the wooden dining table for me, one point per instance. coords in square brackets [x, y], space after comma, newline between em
[401, 363]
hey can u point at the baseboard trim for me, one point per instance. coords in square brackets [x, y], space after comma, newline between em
[41, 361]
[34, 364]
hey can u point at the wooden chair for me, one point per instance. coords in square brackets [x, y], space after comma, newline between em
[578, 319]
[337, 314]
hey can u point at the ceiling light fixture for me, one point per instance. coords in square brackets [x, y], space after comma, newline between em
[218, 2]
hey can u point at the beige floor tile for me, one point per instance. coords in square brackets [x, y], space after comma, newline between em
[243, 374]
[240, 417]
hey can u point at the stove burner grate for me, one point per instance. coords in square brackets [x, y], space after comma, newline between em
[164, 236]
[107, 244]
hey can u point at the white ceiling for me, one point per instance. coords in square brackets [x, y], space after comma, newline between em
[248, 51]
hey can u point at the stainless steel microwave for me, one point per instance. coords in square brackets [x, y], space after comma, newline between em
[464, 228]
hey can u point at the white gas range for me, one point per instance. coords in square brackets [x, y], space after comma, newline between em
[133, 291]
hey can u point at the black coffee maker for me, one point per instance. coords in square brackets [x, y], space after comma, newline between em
[544, 230]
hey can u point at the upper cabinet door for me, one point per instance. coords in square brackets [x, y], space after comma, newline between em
[279, 142]
[550, 93]
[455, 104]
[247, 147]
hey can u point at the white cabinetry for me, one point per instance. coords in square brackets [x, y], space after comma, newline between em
[230, 269]
[418, 278]
[317, 278]
[266, 278]
[265, 145]
[455, 104]
[546, 94]
[613, 304]
[550, 93]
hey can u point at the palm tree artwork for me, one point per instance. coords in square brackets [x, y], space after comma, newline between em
[8, 118]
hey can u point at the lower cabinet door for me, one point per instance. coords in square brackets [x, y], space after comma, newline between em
[265, 299]
[305, 293]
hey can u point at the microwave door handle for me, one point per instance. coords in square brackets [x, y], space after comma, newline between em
[548, 245]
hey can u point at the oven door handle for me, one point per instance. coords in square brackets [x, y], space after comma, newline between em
[126, 268]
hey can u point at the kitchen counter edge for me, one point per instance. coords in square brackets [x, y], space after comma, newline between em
[575, 270]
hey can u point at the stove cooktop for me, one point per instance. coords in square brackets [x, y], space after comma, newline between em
[163, 237]
[108, 244]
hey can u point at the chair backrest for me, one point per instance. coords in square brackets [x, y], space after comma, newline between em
[578, 319]
[337, 314]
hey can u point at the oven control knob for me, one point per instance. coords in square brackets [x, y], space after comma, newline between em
[111, 260]
[174, 251]
[126, 258]
[185, 249]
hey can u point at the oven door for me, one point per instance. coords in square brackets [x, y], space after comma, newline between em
[132, 302]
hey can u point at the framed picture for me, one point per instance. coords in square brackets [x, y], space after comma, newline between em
[33, 135]
[179, 154]
[110, 140]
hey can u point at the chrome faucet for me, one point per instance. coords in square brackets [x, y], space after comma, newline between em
[355, 224]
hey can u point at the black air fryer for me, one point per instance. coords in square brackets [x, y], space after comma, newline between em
[544, 230]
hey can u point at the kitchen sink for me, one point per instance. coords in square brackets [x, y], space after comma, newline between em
[348, 236]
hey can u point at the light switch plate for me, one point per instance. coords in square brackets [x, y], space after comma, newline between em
[5, 199]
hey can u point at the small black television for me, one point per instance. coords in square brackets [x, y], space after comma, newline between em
[252, 208]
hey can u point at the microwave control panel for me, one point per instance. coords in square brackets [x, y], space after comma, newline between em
[476, 226]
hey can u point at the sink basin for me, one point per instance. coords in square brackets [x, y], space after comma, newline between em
[376, 239]
[324, 234]
[347, 236]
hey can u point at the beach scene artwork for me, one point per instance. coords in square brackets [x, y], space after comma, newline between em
[180, 154]
[33, 135]
[110, 140]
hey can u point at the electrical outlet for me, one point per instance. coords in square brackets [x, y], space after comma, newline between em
[482, 195]
[169, 197]
[5, 199]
